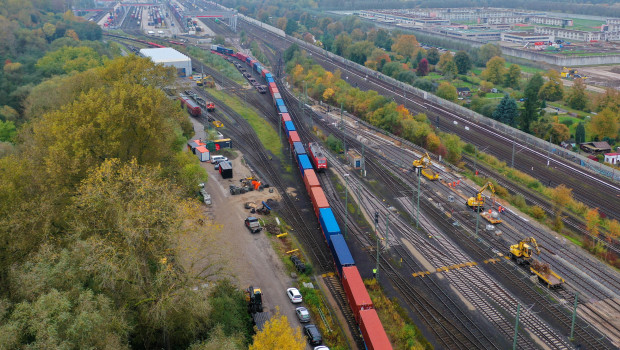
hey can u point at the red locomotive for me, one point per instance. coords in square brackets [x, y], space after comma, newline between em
[210, 106]
[317, 157]
[192, 107]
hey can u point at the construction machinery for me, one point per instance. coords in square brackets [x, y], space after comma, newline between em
[545, 275]
[522, 251]
[571, 73]
[492, 216]
[254, 299]
[423, 164]
[477, 203]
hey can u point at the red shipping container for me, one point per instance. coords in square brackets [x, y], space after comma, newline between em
[318, 198]
[272, 86]
[310, 179]
[357, 295]
[293, 136]
[373, 332]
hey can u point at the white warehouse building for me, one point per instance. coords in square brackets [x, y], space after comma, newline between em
[170, 57]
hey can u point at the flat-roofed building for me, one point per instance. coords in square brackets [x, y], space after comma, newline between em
[526, 37]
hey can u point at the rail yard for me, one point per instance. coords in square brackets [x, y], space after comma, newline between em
[449, 265]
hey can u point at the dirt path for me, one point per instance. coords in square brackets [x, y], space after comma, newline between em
[249, 259]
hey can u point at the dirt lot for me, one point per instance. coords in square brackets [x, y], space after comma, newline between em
[249, 259]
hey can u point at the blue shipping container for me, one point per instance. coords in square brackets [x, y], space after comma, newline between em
[340, 251]
[289, 126]
[259, 69]
[328, 223]
[248, 59]
[270, 80]
[304, 163]
[282, 109]
[299, 148]
[268, 75]
[279, 102]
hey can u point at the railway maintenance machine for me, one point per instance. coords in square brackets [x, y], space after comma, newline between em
[522, 251]
[477, 203]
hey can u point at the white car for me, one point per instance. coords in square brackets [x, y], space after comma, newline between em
[217, 159]
[322, 347]
[294, 295]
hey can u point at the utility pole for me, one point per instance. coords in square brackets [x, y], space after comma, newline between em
[417, 213]
[549, 151]
[364, 161]
[572, 325]
[387, 231]
[514, 341]
[513, 154]
[346, 203]
[377, 237]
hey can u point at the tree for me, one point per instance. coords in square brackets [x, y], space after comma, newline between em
[507, 111]
[359, 51]
[560, 196]
[422, 68]
[291, 26]
[454, 147]
[512, 77]
[488, 51]
[495, 70]
[592, 222]
[406, 76]
[281, 23]
[463, 62]
[614, 229]
[580, 133]
[449, 69]
[342, 43]
[447, 91]
[278, 334]
[605, 124]
[529, 113]
[68, 59]
[432, 142]
[219, 40]
[610, 99]
[392, 69]
[49, 30]
[444, 59]
[577, 98]
[383, 39]
[406, 45]
[7, 131]
[433, 55]
[553, 89]
[70, 33]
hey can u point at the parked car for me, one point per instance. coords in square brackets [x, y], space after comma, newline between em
[322, 347]
[299, 265]
[302, 314]
[294, 295]
[253, 225]
[313, 334]
[217, 159]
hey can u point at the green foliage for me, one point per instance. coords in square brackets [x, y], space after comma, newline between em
[512, 76]
[229, 310]
[219, 40]
[291, 26]
[580, 133]
[486, 52]
[433, 55]
[334, 144]
[218, 63]
[529, 113]
[495, 70]
[447, 91]
[577, 98]
[69, 59]
[462, 61]
[7, 131]
[507, 111]
[425, 85]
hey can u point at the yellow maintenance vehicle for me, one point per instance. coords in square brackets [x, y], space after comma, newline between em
[477, 203]
[522, 251]
[571, 73]
[423, 166]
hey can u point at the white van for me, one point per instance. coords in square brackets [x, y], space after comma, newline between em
[217, 159]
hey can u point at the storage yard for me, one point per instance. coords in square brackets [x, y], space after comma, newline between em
[455, 274]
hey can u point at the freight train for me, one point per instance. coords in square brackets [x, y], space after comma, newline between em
[192, 107]
[370, 326]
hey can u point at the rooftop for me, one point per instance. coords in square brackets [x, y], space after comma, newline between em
[166, 54]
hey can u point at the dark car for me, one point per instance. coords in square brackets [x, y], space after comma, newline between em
[313, 334]
[299, 265]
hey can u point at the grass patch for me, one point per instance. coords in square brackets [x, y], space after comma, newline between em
[266, 133]
[401, 330]
[492, 96]
[525, 69]
[216, 62]
[561, 105]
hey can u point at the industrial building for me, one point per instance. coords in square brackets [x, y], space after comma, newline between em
[472, 34]
[170, 57]
[526, 37]
[577, 35]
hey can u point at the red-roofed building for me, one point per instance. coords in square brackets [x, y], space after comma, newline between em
[612, 158]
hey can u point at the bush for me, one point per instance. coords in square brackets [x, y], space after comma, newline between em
[538, 213]
[469, 148]
[334, 144]
[519, 201]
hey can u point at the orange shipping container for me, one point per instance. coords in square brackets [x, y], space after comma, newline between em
[318, 199]
[310, 179]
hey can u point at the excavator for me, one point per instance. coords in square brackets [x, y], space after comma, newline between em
[522, 251]
[423, 164]
[477, 203]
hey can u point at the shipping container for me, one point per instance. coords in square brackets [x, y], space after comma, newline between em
[340, 251]
[285, 117]
[203, 153]
[319, 201]
[268, 75]
[329, 226]
[192, 144]
[272, 85]
[373, 333]
[298, 148]
[293, 137]
[226, 170]
[280, 102]
[276, 96]
[304, 163]
[248, 60]
[357, 295]
[270, 80]
[288, 127]
[273, 90]
[310, 180]
[282, 109]
[223, 143]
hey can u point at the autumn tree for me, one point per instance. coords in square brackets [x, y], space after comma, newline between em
[488, 51]
[513, 76]
[433, 55]
[406, 45]
[281, 23]
[577, 98]
[614, 229]
[454, 147]
[278, 334]
[422, 68]
[447, 91]
[610, 99]
[432, 142]
[592, 222]
[463, 62]
[68, 59]
[560, 196]
[495, 70]
[605, 124]
[553, 89]
[444, 59]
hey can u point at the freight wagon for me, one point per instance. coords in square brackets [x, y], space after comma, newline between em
[340, 252]
[192, 107]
